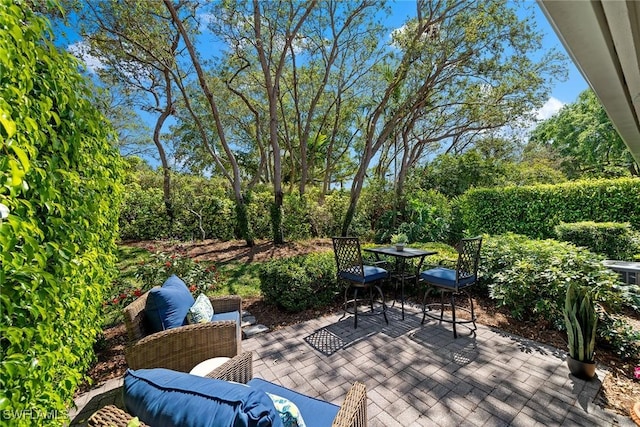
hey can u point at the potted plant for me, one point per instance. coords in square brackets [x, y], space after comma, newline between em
[581, 318]
[399, 240]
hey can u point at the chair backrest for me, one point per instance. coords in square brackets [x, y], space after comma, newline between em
[468, 257]
[348, 255]
[134, 318]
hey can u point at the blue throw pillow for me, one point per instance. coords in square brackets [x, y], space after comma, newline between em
[168, 305]
[165, 397]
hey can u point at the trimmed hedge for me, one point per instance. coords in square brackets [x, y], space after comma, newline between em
[299, 283]
[612, 239]
[59, 207]
[535, 210]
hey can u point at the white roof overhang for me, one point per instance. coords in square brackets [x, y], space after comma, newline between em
[603, 39]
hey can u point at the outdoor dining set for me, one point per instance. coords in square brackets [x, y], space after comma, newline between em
[362, 277]
[187, 367]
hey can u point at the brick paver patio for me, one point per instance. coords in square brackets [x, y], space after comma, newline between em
[418, 375]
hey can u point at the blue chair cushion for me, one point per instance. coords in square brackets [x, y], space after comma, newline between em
[371, 274]
[315, 412]
[162, 397]
[445, 278]
[231, 315]
[167, 306]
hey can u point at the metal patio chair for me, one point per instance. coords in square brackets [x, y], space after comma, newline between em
[454, 281]
[358, 276]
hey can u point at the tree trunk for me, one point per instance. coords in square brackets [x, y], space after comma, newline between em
[212, 105]
[166, 170]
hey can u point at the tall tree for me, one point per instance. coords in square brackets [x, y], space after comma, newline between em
[188, 34]
[462, 67]
[584, 138]
[137, 48]
[146, 49]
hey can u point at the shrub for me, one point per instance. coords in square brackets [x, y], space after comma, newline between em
[428, 217]
[143, 215]
[619, 336]
[301, 282]
[59, 204]
[295, 217]
[201, 209]
[535, 210]
[530, 277]
[198, 277]
[259, 207]
[612, 239]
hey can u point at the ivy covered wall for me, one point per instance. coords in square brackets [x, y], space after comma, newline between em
[59, 207]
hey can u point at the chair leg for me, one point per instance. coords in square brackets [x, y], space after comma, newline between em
[384, 305]
[371, 297]
[355, 307]
[346, 302]
[473, 316]
[453, 314]
[441, 305]
[424, 303]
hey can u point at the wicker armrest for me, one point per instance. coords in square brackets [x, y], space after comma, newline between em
[183, 348]
[226, 303]
[238, 369]
[353, 411]
[110, 416]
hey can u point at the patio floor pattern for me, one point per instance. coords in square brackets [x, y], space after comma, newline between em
[419, 375]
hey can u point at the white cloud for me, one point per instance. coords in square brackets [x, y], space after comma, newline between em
[81, 51]
[522, 130]
[551, 107]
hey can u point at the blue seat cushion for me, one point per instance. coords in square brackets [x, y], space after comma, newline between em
[167, 306]
[315, 412]
[231, 315]
[162, 397]
[445, 278]
[371, 274]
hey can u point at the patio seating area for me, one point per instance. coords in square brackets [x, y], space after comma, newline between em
[417, 375]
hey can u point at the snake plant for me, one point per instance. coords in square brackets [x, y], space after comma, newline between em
[581, 318]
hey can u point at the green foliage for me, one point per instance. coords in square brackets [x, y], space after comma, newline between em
[242, 220]
[199, 277]
[143, 215]
[428, 217]
[580, 319]
[258, 206]
[140, 269]
[202, 209]
[399, 238]
[584, 137]
[530, 277]
[59, 201]
[295, 217]
[535, 210]
[301, 282]
[616, 334]
[612, 239]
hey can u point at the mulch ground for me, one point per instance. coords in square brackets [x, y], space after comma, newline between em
[619, 390]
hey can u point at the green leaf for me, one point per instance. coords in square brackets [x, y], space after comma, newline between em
[8, 124]
[22, 156]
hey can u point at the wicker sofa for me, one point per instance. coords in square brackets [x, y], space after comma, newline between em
[352, 412]
[181, 348]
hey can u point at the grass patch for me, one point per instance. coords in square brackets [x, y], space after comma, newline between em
[239, 279]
